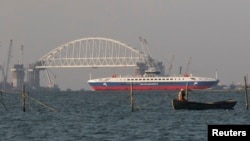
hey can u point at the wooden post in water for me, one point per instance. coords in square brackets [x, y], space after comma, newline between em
[187, 90]
[246, 97]
[132, 97]
[23, 98]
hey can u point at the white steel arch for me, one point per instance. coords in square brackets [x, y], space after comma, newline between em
[92, 52]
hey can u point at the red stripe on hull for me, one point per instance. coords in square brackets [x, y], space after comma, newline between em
[124, 88]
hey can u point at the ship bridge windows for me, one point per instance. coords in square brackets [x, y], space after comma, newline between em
[192, 78]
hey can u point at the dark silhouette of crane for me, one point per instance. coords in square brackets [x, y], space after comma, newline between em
[187, 69]
[5, 73]
[170, 65]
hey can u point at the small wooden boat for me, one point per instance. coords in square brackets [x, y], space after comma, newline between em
[226, 104]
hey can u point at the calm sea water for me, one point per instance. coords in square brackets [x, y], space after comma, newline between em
[107, 116]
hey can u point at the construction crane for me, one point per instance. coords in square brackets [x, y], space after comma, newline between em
[170, 65]
[51, 83]
[187, 69]
[8, 63]
[145, 48]
[21, 55]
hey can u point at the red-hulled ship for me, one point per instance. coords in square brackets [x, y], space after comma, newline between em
[151, 80]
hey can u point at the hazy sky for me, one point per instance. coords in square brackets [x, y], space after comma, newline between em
[215, 33]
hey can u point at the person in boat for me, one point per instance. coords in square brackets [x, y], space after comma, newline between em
[181, 95]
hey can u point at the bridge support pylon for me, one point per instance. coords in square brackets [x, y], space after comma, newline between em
[33, 77]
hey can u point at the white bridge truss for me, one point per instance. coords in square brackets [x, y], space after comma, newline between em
[92, 52]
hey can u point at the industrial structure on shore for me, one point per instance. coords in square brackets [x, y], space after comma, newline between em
[17, 72]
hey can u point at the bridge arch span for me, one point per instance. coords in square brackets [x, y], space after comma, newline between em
[92, 52]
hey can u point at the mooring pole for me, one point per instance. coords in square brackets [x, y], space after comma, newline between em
[23, 98]
[187, 90]
[246, 97]
[131, 97]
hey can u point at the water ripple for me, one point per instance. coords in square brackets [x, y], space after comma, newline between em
[95, 116]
